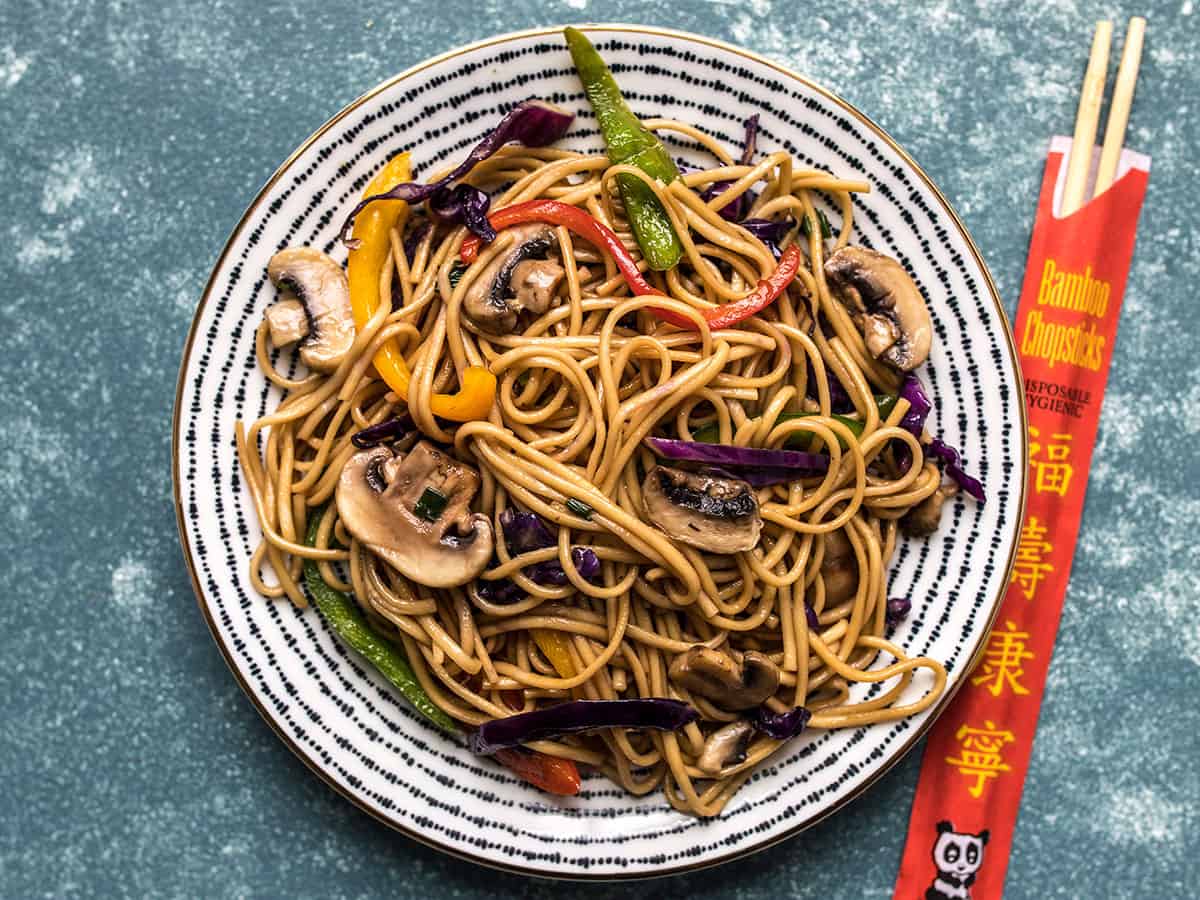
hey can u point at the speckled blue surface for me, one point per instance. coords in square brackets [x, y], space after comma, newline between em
[132, 135]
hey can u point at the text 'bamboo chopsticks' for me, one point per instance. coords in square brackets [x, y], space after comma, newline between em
[1087, 119]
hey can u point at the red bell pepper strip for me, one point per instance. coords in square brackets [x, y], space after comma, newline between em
[760, 298]
[575, 219]
[550, 773]
[572, 217]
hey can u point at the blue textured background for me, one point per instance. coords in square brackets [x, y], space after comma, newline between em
[133, 134]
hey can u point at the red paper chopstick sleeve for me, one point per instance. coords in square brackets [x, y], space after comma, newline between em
[969, 791]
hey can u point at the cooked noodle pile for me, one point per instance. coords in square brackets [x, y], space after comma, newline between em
[581, 385]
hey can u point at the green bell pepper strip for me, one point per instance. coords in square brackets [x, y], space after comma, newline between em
[710, 433]
[801, 439]
[347, 620]
[885, 403]
[629, 142]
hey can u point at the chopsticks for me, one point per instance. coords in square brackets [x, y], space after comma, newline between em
[1118, 113]
[1087, 118]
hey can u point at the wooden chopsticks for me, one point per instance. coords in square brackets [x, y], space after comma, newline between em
[1087, 119]
[1118, 113]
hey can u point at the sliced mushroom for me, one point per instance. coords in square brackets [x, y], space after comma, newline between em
[379, 499]
[885, 304]
[320, 285]
[712, 674]
[287, 322]
[839, 569]
[923, 519]
[725, 747]
[716, 514]
[517, 280]
[534, 282]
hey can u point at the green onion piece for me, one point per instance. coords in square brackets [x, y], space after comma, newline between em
[806, 225]
[431, 505]
[707, 434]
[456, 273]
[579, 508]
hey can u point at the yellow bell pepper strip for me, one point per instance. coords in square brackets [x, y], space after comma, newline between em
[371, 245]
[554, 647]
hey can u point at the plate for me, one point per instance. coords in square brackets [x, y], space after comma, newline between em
[344, 720]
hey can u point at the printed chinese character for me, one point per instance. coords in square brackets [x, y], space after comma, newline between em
[981, 756]
[1002, 662]
[1030, 566]
[1051, 471]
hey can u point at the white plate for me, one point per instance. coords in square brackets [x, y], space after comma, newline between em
[343, 719]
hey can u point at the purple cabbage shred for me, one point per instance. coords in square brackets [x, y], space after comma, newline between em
[897, 610]
[839, 400]
[741, 460]
[770, 233]
[500, 592]
[412, 240]
[533, 123]
[389, 430]
[781, 726]
[525, 532]
[732, 212]
[575, 716]
[919, 406]
[463, 205]
[914, 422]
[953, 462]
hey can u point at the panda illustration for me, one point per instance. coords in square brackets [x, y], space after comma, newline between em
[957, 857]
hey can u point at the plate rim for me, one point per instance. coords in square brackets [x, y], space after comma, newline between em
[939, 708]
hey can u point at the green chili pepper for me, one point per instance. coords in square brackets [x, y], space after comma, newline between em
[347, 620]
[629, 142]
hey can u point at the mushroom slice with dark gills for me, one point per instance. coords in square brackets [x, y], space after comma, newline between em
[885, 304]
[414, 512]
[319, 285]
[519, 279]
[718, 677]
[715, 513]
